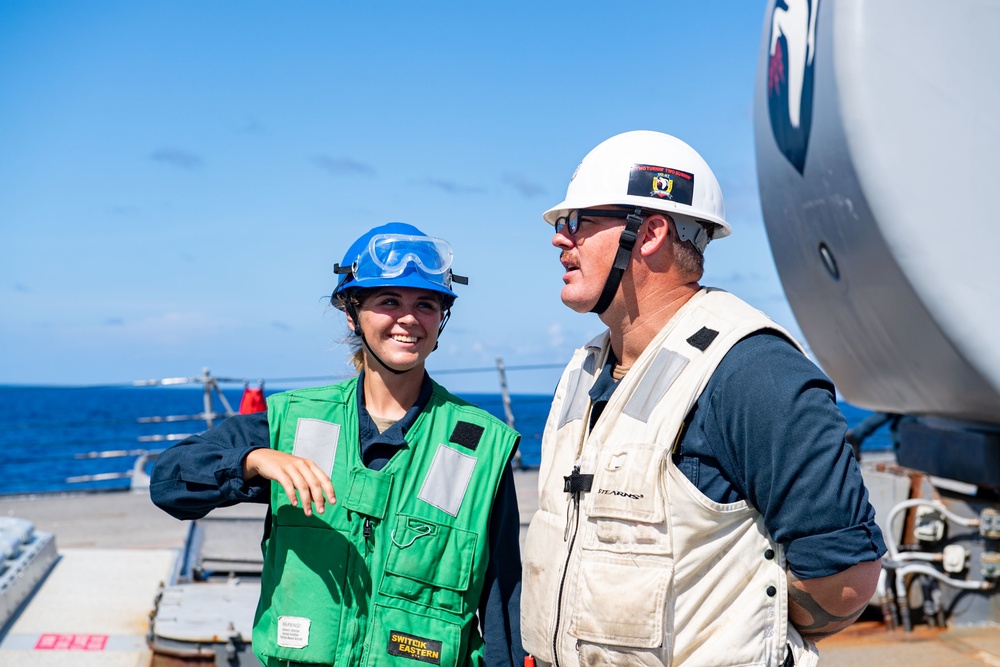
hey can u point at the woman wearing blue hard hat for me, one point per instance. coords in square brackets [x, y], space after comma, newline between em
[393, 532]
[397, 256]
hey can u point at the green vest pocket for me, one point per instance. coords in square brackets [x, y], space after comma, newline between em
[407, 639]
[369, 492]
[309, 586]
[429, 563]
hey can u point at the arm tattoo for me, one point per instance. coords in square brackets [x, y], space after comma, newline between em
[824, 624]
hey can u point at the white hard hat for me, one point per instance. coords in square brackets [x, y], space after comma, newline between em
[649, 169]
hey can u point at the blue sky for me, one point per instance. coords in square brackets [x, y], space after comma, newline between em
[178, 178]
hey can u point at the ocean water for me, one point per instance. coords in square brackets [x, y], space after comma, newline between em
[55, 439]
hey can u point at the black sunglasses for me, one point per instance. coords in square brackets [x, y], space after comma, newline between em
[572, 220]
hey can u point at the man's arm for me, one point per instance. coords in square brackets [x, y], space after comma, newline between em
[778, 434]
[822, 607]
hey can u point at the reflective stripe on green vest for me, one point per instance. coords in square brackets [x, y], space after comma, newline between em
[392, 574]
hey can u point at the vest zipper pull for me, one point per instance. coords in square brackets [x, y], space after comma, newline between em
[368, 528]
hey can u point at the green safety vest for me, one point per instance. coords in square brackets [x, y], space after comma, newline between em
[391, 574]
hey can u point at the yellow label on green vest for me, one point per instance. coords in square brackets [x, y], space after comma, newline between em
[415, 648]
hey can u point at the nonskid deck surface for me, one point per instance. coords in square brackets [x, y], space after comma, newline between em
[868, 643]
[116, 548]
[93, 609]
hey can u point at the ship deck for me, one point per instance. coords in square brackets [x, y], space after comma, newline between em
[116, 548]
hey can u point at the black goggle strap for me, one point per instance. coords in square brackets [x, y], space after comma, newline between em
[344, 271]
[347, 271]
[625, 244]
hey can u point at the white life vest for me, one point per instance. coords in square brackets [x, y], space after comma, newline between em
[645, 569]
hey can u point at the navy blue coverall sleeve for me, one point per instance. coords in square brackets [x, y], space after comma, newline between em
[767, 429]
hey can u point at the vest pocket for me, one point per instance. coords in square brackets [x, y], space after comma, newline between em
[407, 638]
[429, 563]
[308, 593]
[628, 483]
[620, 611]
[596, 654]
[621, 600]
[626, 505]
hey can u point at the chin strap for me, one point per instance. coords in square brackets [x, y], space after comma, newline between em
[353, 312]
[625, 244]
[389, 368]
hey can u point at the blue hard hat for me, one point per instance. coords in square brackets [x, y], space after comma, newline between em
[399, 255]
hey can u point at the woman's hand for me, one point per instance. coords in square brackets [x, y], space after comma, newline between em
[294, 473]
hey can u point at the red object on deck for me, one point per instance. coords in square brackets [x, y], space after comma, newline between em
[253, 400]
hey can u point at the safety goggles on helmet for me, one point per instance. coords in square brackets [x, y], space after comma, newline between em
[388, 255]
[401, 260]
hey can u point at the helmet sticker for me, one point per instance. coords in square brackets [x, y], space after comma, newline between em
[646, 180]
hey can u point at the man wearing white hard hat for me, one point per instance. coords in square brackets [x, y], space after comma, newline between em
[698, 504]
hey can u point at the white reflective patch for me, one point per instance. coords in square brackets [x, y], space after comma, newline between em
[446, 481]
[574, 406]
[316, 439]
[662, 372]
[293, 631]
[590, 363]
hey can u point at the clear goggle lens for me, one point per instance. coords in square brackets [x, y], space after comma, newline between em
[388, 255]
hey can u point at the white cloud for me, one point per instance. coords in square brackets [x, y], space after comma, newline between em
[172, 328]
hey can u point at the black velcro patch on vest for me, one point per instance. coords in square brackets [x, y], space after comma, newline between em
[467, 435]
[703, 338]
[403, 645]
